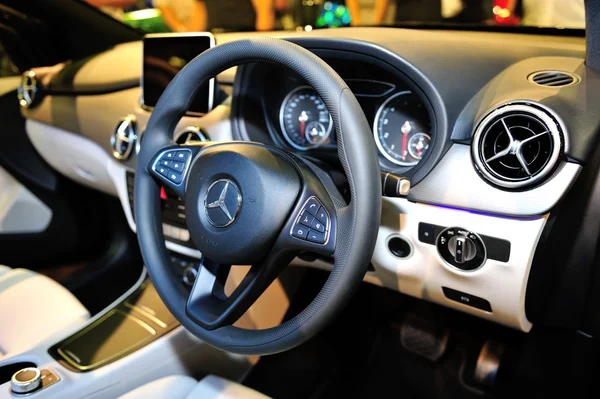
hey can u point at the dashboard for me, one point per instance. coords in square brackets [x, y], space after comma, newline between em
[491, 141]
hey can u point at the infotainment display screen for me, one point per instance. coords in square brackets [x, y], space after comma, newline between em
[164, 56]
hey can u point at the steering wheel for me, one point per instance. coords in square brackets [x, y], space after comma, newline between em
[252, 204]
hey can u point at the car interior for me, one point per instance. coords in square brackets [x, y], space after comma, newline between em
[369, 211]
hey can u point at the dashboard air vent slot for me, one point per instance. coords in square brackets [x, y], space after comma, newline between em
[191, 134]
[553, 78]
[123, 139]
[517, 145]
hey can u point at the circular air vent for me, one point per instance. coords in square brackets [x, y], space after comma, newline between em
[28, 89]
[517, 145]
[123, 139]
[553, 78]
[191, 134]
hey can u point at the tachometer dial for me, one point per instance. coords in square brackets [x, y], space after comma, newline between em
[304, 119]
[401, 129]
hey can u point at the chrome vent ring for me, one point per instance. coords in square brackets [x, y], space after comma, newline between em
[191, 134]
[123, 139]
[518, 144]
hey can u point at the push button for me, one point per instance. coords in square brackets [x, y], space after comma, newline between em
[427, 233]
[317, 237]
[312, 206]
[306, 219]
[322, 216]
[300, 231]
[317, 226]
[163, 171]
[467, 299]
[176, 165]
[168, 156]
[175, 177]
[182, 156]
[165, 163]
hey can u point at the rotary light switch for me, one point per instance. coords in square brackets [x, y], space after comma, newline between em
[461, 248]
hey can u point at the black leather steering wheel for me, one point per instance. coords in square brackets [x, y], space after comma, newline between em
[244, 202]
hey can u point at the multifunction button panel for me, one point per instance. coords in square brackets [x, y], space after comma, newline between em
[172, 165]
[313, 222]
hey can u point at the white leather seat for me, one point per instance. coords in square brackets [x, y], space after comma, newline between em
[34, 307]
[182, 387]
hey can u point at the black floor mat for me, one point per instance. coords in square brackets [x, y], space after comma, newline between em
[359, 356]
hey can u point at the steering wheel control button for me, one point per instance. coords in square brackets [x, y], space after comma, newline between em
[461, 248]
[175, 177]
[318, 226]
[312, 206]
[26, 380]
[315, 236]
[182, 156]
[467, 299]
[163, 171]
[171, 166]
[309, 227]
[322, 216]
[307, 219]
[300, 231]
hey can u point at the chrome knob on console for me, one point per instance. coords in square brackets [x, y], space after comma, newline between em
[26, 380]
[461, 248]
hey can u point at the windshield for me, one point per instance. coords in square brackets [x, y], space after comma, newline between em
[154, 16]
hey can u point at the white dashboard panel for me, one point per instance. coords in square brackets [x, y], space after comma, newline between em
[455, 182]
[424, 273]
[75, 157]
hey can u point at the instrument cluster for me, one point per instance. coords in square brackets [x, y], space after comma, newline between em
[400, 121]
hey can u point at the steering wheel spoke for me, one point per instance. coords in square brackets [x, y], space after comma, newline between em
[171, 166]
[210, 307]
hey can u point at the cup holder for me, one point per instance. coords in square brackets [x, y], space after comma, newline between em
[7, 371]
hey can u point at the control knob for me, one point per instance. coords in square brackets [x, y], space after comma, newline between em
[26, 380]
[461, 248]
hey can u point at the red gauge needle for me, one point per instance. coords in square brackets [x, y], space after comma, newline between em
[405, 130]
[302, 119]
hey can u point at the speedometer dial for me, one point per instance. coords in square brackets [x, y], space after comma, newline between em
[304, 119]
[401, 129]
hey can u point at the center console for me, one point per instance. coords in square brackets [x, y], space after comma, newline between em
[138, 320]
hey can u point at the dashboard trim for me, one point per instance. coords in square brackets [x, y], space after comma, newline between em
[455, 183]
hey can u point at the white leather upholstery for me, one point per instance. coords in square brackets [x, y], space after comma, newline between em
[33, 307]
[182, 387]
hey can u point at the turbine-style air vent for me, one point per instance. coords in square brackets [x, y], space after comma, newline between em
[517, 145]
[553, 78]
[191, 134]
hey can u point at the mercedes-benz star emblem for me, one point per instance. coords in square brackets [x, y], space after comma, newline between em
[222, 203]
